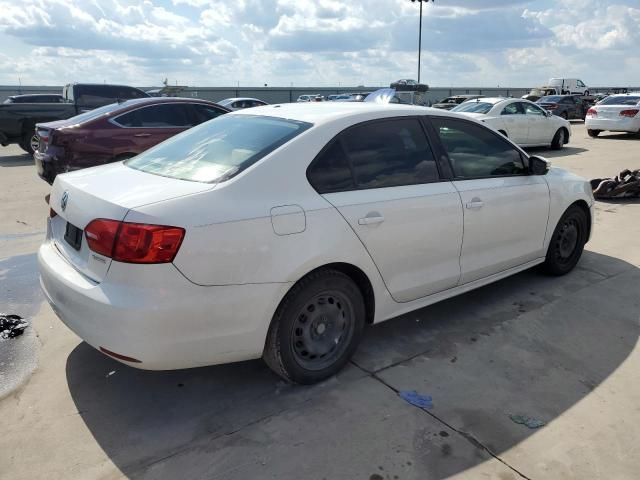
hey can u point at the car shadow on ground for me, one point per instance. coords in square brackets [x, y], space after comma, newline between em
[618, 136]
[550, 153]
[542, 343]
[16, 160]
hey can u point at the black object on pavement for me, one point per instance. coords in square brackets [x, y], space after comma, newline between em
[11, 325]
[625, 185]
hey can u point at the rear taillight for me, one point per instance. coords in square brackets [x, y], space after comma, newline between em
[592, 112]
[134, 242]
[629, 113]
[43, 135]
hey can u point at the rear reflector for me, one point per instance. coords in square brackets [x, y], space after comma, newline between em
[119, 357]
[629, 113]
[134, 242]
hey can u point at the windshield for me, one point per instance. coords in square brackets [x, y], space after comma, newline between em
[550, 99]
[219, 149]
[621, 100]
[473, 107]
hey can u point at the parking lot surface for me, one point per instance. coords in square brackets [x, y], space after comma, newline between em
[531, 348]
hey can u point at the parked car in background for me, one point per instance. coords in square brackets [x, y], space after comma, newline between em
[451, 102]
[537, 93]
[569, 85]
[115, 132]
[306, 98]
[616, 113]
[282, 231]
[18, 120]
[35, 98]
[522, 121]
[569, 107]
[240, 103]
[360, 96]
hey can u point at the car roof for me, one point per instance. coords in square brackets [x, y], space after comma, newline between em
[235, 99]
[327, 112]
[133, 102]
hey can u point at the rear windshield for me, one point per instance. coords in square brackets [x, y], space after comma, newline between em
[98, 112]
[219, 149]
[551, 99]
[473, 107]
[620, 100]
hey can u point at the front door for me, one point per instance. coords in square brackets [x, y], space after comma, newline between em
[539, 125]
[515, 121]
[383, 178]
[505, 209]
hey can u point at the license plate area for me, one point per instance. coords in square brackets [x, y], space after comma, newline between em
[73, 236]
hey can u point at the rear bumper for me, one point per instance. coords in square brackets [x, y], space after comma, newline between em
[631, 125]
[153, 314]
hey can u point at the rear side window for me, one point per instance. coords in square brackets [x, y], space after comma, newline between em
[330, 172]
[204, 113]
[477, 152]
[166, 115]
[390, 153]
[218, 150]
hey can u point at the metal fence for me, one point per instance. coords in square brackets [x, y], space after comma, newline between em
[290, 94]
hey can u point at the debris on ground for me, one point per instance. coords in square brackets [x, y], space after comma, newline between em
[110, 373]
[12, 325]
[416, 399]
[625, 185]
[529, 422]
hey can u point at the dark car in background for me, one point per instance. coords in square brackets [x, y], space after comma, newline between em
[18, 119]
[35, 98]
[240, 103]
[451, 102]
[569, 107]
[116, 132]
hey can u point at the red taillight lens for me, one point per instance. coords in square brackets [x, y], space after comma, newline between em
[101, 235]
[629, 113]
[592, 112]
[134, 242]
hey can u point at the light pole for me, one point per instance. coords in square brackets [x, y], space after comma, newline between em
[420, 33]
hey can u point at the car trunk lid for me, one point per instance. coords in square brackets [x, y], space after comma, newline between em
[104, 192]
[612, 111]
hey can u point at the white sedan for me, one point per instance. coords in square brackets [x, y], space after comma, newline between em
[282, 231]
[616, 113]
[522, 121]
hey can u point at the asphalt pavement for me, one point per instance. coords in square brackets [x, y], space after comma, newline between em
[558, 354]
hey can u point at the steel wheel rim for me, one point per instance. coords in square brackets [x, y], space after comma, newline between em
[567, 242]
[322, 330]
[561, 138]
[35, 142]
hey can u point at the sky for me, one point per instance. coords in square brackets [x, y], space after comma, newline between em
[508, 43]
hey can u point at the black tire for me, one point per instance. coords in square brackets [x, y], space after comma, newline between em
[586, 93]
[593, 133]
[567, 242]
[27, 142]
[559, 139]
[316, 328]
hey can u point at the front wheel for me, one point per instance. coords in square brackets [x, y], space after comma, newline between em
[316, 328]
[593, 133]
[558, 140]
[567, 242]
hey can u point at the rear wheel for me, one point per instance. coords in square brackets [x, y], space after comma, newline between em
[567, 242]
[558, 139]
[593, 133]
[29, 143]
[316, 328]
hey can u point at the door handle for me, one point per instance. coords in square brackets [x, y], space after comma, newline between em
[371, 220]
[142, 135]
[475, 204]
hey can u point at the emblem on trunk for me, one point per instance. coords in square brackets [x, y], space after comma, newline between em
[64, 200]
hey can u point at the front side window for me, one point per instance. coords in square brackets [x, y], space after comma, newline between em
[476, 152]
[390, 153]
[218, 150]
[580, 84]
[166, 115]
[514, 108]
[532, 109]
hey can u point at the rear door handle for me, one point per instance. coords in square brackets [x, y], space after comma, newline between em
[475, 204]
[371, 219]
[142, 135]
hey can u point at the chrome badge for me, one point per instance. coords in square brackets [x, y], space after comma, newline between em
[64, 200]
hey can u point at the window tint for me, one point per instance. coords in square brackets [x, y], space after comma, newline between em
[157, 116]
[204, 113]
[567, 100]
[514, 108]
[390, 153]
[533, 109]
[330, 172]
[477, 152]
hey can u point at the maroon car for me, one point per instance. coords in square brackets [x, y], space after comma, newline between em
[115, 132]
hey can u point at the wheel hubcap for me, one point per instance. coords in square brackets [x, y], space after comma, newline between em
[322, 330]
[35, 143]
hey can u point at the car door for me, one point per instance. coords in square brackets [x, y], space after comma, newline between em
[515, 121]
[505, 209]
[383, 178]
[539, 125]
[149, 125]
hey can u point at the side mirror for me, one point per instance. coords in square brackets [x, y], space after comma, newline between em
[548, 113]
[538, 165]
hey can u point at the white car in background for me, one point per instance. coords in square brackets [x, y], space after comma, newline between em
[239, 103]
[522, 121]
[616, 113]
[282, 231]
